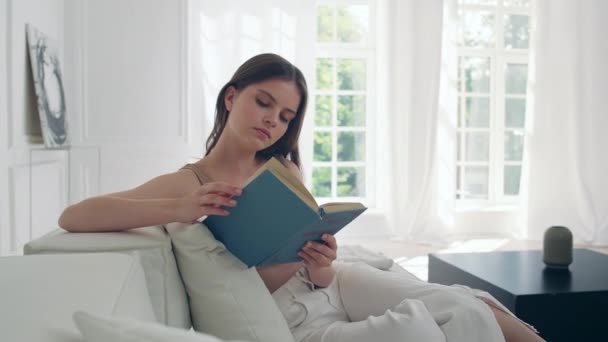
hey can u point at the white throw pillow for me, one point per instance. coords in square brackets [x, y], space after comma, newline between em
[226, 298]
[104, 328]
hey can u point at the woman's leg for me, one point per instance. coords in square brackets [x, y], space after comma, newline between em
[408, 321]
[464, 311]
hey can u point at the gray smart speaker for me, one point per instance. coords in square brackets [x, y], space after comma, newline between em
[557, 247]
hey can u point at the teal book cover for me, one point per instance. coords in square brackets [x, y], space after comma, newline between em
[270, 223]
[330, 223]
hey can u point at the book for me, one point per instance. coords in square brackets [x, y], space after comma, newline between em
[275, 216]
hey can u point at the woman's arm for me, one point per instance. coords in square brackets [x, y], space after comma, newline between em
[109, 213]
[162, 200]
[318, 258]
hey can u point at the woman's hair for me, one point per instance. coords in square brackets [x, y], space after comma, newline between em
[257, 69]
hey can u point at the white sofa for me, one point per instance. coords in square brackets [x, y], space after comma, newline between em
[132, 273]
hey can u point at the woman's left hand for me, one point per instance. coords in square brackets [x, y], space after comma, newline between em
[319, 255]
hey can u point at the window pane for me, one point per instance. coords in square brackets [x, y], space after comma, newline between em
[351, 146]
[325, 23]
[352, 23]
[515, 113]
[517, 31]
[323, 110]
[514, 145]
[351, 74]
[351, 110]
[516, 78]
[517, 3]
[476, 182]
[322, 149]
[477, 146]
[351, 181]
[324, 74]
[477, 112]
[512, 179]
[478, 29]
[476, 74]
[321, 181]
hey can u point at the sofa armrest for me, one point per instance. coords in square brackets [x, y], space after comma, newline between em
[155, 251]
[61, 241]
[41, 292]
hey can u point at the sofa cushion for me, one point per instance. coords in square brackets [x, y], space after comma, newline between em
[227, 299]
[103, 328]
[154, 248]
[41, 292]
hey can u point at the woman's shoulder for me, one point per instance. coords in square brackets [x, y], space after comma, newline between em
[197, 171]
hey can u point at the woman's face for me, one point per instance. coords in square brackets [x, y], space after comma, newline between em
[260, 113]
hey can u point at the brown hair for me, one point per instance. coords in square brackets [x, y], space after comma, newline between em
[257, 69]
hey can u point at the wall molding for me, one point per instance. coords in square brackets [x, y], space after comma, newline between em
[84, 173]
[9, 73]
[184, 68]
[22, 164]
[4, 131]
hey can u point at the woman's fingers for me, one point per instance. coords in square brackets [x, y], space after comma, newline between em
[314, 257]
[219, 187]
[217, 194]
[208, 210]
[330, 240]
[308, 259]
[319, 248]
[216, 200]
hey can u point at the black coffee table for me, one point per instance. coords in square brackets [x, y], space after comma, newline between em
[570, 305]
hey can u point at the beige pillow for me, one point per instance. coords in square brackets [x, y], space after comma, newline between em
[105, 328]
[227, 299]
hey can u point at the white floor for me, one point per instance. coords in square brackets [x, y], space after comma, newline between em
[413, 256]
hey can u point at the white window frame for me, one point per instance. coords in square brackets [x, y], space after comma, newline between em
[499, 58]
[367, 52]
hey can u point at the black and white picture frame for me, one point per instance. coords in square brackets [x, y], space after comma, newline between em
[48, 85]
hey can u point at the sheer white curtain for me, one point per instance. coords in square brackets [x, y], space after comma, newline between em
[568, 137]
[226, 33]
[423, 139]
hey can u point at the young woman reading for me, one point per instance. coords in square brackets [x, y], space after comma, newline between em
[259, 115]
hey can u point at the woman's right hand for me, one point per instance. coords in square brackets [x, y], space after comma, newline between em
[208, 199]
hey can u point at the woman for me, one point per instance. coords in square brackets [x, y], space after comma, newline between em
[259, 114]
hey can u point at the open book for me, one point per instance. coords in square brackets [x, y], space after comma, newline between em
[275, 215]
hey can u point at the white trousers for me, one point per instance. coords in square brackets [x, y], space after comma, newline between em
[365, 304]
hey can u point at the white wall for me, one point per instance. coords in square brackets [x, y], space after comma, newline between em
[34, 180]
[131, 117]
[125, 66]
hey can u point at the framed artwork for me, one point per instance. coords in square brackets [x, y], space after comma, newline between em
[48, 85]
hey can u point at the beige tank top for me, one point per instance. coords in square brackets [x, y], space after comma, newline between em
[202, 177]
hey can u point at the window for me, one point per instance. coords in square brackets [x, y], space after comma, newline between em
[492, 80]
[344, 52]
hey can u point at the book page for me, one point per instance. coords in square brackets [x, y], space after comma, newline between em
[289, 179]
[341, 206]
